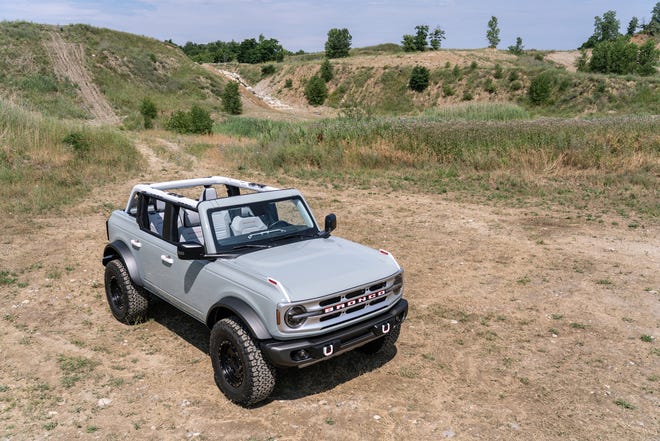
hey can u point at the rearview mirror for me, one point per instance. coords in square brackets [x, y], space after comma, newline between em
[330, 223]
[190, 251]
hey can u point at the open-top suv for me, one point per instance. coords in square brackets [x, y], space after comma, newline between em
[275, 288]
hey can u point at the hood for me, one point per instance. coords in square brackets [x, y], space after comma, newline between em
[318, 267]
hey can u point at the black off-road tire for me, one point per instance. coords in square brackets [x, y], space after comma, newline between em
[385, 341]
[127, 301]
[240, 369]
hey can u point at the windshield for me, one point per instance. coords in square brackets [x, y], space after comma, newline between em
[260, 224]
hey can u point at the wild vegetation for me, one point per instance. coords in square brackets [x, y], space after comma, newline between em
[46, 163]
[486, 151]
[401, 122]
[126, 68]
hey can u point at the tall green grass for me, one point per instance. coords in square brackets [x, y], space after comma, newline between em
[478, 112]
[46, 163]
[488, 147]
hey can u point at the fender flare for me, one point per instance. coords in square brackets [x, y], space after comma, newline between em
[119, 249]
[244, 312]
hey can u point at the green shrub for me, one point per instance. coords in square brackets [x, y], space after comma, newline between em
[447, 90]
[326, 71]
[179, 122]
[197, 120]
[78, 143]
[489, 86]
[467, 96]
[316, 91]
[499, 73]
[288, 83]
[149, 112]
[268, 69]
[419, 79]
[647, 58]
[516, 85]
[618, 57]
[540, 88]
[231, 99]
[513, 75]
[456, 72]
[200, 120]
[517, 49]
[473, 65]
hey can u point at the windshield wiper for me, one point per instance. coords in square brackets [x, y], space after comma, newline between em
[294, 235]
[249, 245]
[262, 233]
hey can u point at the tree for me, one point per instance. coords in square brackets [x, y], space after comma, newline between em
[647, 59]
[149, 112]
[632, 26]
[653, 28]
[493, 33]
[231, 99]
[316, 91]
[420, 37]
[417, 42]
[518, 48]
[248, 51]
[408, 43]
[617, 57]
[326, 71]
[605, 29]
[338, 43]
[419, 79]
[436, 37]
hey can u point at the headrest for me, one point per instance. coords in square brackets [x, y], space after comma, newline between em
[208, 194]
[191, 218]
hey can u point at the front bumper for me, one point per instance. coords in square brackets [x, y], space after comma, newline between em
[303, 352]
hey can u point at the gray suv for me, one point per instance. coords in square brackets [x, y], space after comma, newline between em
[274, 288]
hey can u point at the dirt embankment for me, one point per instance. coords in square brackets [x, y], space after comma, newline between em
[69, 62]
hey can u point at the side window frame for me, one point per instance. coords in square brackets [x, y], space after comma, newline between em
[169, 232]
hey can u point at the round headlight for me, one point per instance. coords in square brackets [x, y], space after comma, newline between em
[291, 319]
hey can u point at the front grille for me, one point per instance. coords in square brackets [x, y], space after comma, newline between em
[352, 304]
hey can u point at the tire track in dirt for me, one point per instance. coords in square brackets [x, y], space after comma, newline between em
[69, 62]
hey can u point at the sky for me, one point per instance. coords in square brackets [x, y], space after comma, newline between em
[304, 24]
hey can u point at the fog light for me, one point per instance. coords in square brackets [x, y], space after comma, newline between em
[300, 355]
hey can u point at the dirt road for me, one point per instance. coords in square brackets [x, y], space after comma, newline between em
[69, 62]
[524, 324]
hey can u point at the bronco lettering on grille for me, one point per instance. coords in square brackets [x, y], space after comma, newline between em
[353, 302]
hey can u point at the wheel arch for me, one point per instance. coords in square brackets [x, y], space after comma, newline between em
[119, 250]
[232, 306]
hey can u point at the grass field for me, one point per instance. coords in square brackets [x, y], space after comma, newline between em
[46, 163]
[488, 152]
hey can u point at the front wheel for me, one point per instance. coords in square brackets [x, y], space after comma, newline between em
[240, 369]
[127, 302]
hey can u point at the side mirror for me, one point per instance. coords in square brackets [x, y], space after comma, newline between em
[190, 251]
[330, 224]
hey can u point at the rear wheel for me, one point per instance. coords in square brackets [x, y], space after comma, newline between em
[240, 369]
[127, 302]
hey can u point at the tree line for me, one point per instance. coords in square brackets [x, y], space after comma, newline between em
[614, 52]
[250, 51]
